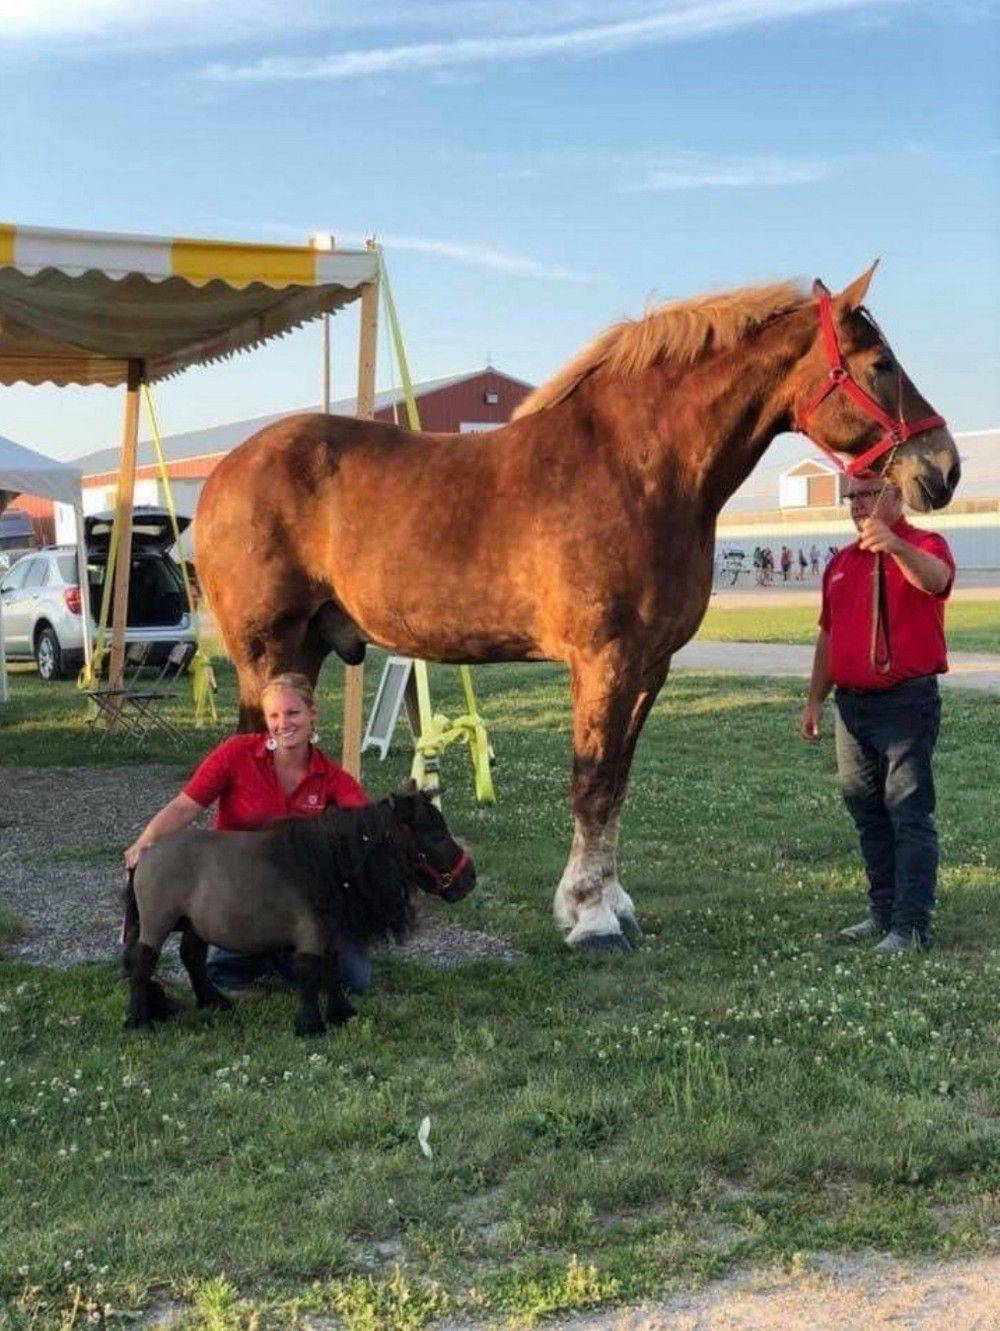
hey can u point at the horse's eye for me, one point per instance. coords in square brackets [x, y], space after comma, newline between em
[883, 365]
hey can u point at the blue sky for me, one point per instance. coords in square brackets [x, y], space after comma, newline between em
[533, 170]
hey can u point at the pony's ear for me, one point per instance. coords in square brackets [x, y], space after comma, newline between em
[820, 288]
[409, 787]
[854, 293]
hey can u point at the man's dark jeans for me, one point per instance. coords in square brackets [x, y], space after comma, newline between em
[241, 970]
[885, 741]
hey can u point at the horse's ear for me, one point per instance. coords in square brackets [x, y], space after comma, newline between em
[854, 293]
[819, 288]
[409, 787]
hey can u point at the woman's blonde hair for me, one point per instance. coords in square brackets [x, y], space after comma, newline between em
[292, 680]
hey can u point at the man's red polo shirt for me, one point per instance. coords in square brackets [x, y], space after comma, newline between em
[916, 618]
[241, 775]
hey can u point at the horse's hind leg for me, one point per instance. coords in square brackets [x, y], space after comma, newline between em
[338, 1009]
[140, 962]
[194, 950]
[307, 968]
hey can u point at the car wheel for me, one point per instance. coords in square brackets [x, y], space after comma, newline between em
[48, 655]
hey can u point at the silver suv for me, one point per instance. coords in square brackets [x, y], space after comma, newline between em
[42, 611]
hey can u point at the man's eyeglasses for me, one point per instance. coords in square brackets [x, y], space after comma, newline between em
[862, 495]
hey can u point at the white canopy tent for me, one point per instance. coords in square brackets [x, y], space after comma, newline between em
[22, 471]
[79, 307]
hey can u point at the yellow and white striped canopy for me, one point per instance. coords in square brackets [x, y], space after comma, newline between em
[77, 306]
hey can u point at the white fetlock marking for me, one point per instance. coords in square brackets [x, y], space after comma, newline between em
[580, 879]
[565, 906]
[594, 921]
[617, 899]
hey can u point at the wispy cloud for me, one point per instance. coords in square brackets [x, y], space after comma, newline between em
[485, 256]
[698, 173]
[690, 20]
[455, 251]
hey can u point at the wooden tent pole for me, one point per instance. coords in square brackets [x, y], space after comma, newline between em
[123, 519]
[354, 675]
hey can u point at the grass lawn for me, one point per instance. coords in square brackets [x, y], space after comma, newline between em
[971, 626]
[737, 1089]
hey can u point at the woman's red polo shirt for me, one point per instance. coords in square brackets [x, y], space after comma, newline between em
[241, 775]
[916, 618]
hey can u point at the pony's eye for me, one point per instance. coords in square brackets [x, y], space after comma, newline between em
[883, 365]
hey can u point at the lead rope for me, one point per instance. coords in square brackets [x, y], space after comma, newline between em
[880, 654]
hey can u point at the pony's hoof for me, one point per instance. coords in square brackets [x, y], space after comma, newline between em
[602, 943]
[216, 1003]
[630, 927]
[137, 1024]
[161, 1006]
[341, 1016]
[307, 1030]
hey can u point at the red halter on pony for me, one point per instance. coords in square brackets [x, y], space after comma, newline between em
[896, 432]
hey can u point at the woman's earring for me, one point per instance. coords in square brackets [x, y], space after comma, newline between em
[270, 744]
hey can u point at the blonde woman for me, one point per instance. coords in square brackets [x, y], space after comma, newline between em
[253, 780]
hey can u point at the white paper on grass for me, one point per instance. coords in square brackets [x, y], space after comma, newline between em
[423, 1133]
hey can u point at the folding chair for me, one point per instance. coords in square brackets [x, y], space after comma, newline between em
[135, 710]
[147, 703]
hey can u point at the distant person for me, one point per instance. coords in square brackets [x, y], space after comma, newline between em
[814, 559]
[881, 645]
[831, 551]
[786, 563]
[803, 564]
[767, 564]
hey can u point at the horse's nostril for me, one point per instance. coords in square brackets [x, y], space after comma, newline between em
[953, 477]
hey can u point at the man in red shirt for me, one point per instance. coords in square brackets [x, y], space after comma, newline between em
[881, 645]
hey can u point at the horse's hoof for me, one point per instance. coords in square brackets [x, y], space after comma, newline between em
[602, 943]
[308, 1029]
[216, 1003]
[630, 927]
[137, 1024]
[341, 1016]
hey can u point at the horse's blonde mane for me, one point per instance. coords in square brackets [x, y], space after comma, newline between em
[679, 332]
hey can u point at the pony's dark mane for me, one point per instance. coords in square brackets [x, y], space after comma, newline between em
[352, 868]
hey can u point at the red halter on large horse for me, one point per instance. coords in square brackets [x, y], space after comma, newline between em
[581, 532]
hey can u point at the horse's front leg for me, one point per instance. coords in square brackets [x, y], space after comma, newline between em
[614, 895]
[307, 970]
[338, 1009]
[609, 703]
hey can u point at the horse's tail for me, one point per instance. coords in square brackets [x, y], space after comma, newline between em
[130, 921]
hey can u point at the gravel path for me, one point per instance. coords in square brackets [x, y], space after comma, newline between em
[860, 1292]
[62, 831]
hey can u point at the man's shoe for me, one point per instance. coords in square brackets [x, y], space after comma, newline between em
[898, 940]
[863, 932]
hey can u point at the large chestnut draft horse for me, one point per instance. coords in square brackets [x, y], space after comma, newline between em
[582, 531]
